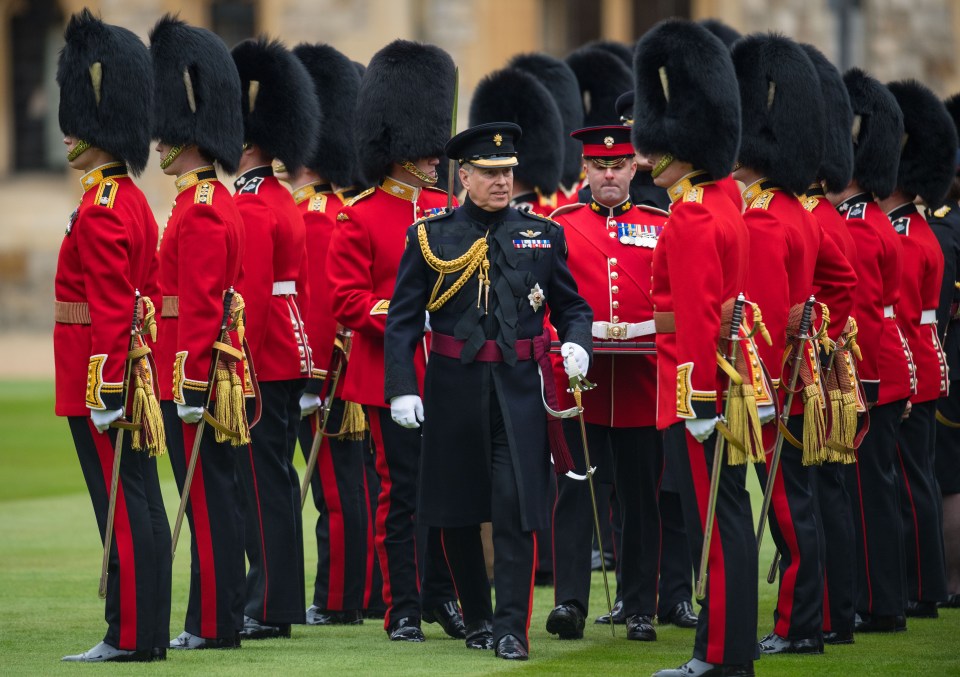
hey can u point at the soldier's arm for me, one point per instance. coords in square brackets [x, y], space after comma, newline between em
[569, 312]
[259, 226]
[948, 244]
[404, 325]
[835, 279]
[350, 262]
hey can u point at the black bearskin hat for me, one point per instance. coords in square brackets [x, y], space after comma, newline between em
[877, 133]
[197, 92]
[618, 49]
[404, 107]
[686, 100]
[953, 108]
[782, 110]
[337, 82]
[836, 166]
[562, 84]
[928, 158]
[512, 95]
[727, 35]
[280, 110]
[106, 89]
[602, 77]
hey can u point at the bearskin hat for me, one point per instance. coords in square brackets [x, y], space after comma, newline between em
[953, 108]
[877, 132]
[512, 95]
[337, 82]
[781, 108]
[197, 92]
[602, 77]
[280, 110]
[618, 49]
[727, 35]
[106, 89]
[686, 99]
[928, 158]
[836, 166]
[562, 84]
[404, 106]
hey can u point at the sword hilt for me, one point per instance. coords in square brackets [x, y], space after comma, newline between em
[806, 319]
[736, 318]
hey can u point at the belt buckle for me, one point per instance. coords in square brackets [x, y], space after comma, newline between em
[617, 331]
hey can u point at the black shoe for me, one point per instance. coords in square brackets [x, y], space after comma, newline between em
[774, 644]
[254, 629]
[618, 616]
[186, 640]
[511, 649]
[104, 653]
[921, 609]
[158, 653]
[681, 615]
[566, 621]
[318, 616]
[479, 635]
[836, 637]
[695, 668]
[641, 629]
[877, 623]
[449, 617]
[406, 629]
[951, 602]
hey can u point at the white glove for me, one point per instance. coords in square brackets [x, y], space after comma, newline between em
[102, 418]
[426, 321]
[309, 403]
[189, 414]
[701, 428]
[575, 360]
[407, 410]
[766, 412]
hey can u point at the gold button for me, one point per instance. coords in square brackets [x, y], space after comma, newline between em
[613, 262]
[611, 223]
[614, 275]
[612, 234]
[616, 304]
[615, 289]
[616, 318]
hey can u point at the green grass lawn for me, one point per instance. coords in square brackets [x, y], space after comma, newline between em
[50, 563]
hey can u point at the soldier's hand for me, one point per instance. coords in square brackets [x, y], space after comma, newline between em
[309, 403]
[766, 412]
[701, 428]
[189, 414]
[102, 418]
[575, 359]
[407, 410]
[426, 321]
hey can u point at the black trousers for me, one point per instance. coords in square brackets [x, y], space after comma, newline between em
[274, 527]
[727, 626]
[138, 585]
[947, 464]
[373, 578]
[339, 496]
[215, 514]
[637, 460]
[920, 505]
[876, 509]
[798, 536]
[676, 562]
[834, 508]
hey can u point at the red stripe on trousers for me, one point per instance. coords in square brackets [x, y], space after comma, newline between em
[383, 509]
[202, 536]
[337, 547]
[263, 544]
[863, 530]
[122, 541]
[916, 526]
[788, 580]
[371, 553]
[827, 623]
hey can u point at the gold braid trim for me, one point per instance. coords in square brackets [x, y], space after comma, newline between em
[474, 258]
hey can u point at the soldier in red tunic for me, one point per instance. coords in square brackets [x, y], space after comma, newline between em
[611, 243]
[926, 168]
[403, 119]
[198, 122]
[280, 122]
[109, 255]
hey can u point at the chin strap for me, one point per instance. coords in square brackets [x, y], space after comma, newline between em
[661, 166]
[78, 150]
[171, 155]
[413, 169]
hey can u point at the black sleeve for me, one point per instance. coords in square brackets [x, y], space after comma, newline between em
[405, 320]
[947, 237]
[569, 312]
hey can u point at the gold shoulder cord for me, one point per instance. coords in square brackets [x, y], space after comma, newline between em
[474, 258]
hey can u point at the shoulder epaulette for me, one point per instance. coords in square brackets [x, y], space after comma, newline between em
[943, 211]
[810, 203]
[763, 200]
[106, 193]
[902, 225]
[566, 209]
[436, 190]
[654, 210]
[695, 194]
[857, 211]
[204, 194]
[251, 187]
[537, 217]
[317, 203]
[355, 199]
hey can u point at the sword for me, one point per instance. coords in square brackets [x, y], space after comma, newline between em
[451, 163]
[117, 451]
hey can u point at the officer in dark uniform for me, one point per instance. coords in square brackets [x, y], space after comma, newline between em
[487, 273]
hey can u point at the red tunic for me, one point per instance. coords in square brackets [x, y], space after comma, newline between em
[200, 257]
[109, 252]
[610, 253]
[362, 264]
[274, 273]
[919, 297]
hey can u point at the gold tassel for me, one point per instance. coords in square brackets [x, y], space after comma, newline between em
[354, 424]
[849, 427]
[239, 409]
[149, 434]
[222, 410]
[814, 433]
[744, 424]
[837, 430]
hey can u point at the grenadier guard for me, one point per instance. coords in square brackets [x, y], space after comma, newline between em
[199, 122]
[107, 258]
[280, 117]
[400, 134]
[791, 258]
[926, 168]
[687, 120]
[337, 482]
[487, 274]
[611, 243]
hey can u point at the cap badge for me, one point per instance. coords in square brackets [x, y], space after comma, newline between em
[536, 297]
[497, 139]
[608, 141]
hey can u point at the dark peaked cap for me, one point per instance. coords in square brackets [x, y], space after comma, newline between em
[512, 95]
[280, 110]
[337, 82]
[928, 158]
[686, 99]
[782, 110]
[836, 166]
[877, 132]
[197, 91]
[602, 77]
[106, 89]
[404, 106]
